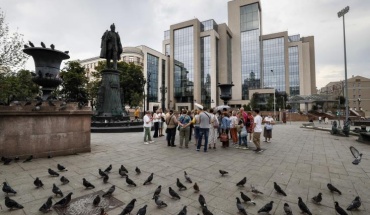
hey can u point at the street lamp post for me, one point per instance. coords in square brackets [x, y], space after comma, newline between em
[341, 14]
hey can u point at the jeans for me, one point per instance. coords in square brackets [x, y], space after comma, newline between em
[244, 140]
[205, 132]
[147, 131]
[171, 136]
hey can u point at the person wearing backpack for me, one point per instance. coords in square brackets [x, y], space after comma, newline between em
[213, 130]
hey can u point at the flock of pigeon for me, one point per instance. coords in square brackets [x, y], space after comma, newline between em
[123, 172]
[31, 45]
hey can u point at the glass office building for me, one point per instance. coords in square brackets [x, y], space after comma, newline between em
[152, 76]
[294, 70]
[274, 63]
[205, 70]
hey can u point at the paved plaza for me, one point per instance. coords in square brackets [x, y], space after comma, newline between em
[302, 161]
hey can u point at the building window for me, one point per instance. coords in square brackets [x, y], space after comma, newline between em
[131, 59]
[205, 70]
[167, 50]
[294, 71]
[152, 68]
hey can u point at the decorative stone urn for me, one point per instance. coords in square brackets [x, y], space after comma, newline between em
[47, 68]
[225, 92]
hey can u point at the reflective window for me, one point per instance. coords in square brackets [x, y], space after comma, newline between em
[293, 70]
[249, 17]
[152, 74]
[205, 70]
[184, 64]
[274, 63]
[130, 59]
[167, 50]
[294, 38]
[208, 25]
[167, 35]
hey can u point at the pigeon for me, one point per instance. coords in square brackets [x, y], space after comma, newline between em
[206, 211]
[356, 203]
[142, 211]
[43, 45]
[123, 169]
[6, 160]
[65, 201]
[52, 46]
[287, 209]
[36, 108]
[356, 154]
[64, 180]
[87, 184]
[63, 106]
[333, 189]
[240, 207]
[183, 211]
[16, 159]
[101, 173]
[129, 207]
[202, 201]
[188, 179]
[11, 204]
[31, 156]
[267, 208]
[53, 173]
[108, 169]
[67, 52]
[246, 198]
[130, 182]
[159, 202]
[157, 191]
[339, 210]
[303, 206]
[105, 179]
[196, 187]
[317, 199]
[102, 212]
[38, 183]
[96, 201]
[31, 44]
[122, 173]
[29, 102]
[46, 206]
[180, 185]
[61, 168]
[51, 104]
[57, 191]
[242, 182]
[149, 179]
[223, 172]
[110, 191]
[137, 170]
[173, 193]
[26, 46]
[255, 191]
[278, 189]
[7, 189]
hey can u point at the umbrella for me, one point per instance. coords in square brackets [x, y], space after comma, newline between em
[221, 107]
[199, 106]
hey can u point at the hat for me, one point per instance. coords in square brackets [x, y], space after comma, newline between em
[199, 106]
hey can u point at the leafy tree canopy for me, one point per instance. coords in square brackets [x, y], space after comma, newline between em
[74, 82]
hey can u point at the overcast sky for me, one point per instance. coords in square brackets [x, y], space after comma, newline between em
[77, 26]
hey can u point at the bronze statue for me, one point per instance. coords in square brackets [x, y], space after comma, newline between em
[111, 47]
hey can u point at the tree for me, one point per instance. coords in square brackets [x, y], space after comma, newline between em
[254, 101]
[12, 57]
[74, 82]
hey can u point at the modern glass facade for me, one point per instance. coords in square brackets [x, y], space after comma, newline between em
[250, 48]
[167, 50]
[294, 38]
[184, 64]
[208, 25]
[293, 70]
[274, 64]
[205, 70]
[167, 35]
[152, 73]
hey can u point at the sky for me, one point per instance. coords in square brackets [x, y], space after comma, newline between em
[77, 26]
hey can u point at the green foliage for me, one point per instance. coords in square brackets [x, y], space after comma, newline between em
[254, 101]
[17, 86]
[74, 81]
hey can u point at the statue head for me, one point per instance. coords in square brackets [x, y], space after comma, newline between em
[112, 27]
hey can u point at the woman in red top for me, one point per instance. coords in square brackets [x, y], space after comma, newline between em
[249, 125]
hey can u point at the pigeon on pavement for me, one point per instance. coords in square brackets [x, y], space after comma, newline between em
[267, 208]
[339, 210]
[180, 185]
[57, 191]
[356, 203]
[11, 204]
[38, 183]
[287, 209]
[46, 206]
[101, 173]
[255, 191]
[61, 168]
[122, 173]
[183, 211]
[65, 201]
[106, 178]
[110, 191]
[64, 180]
[317, 199]
[246, 198]
[187, 177]
[240, 207]
[202, 201]
[7, 189]
[142, 211]
[6, 160]
[53, 173]
[149, 179]
[173, 193]
[333, 189]
[206, 211]
[303, 206]
[242, 182]
[87, 184]
[30, 157]
[278, 189]
[123, 169]
[96, 201]
[157, 191]
[356, 154]
[223, 172]
[196, 187]
[137, 170]
[129, 207]
[159, 202]
[130, 182]
[108, 169]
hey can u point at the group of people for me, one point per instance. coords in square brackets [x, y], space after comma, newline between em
[223, 126]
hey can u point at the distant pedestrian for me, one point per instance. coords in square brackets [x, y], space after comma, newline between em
[257, 128]
[213, 130]
[156, 120]
[148, 119]
[196, 126]
[326, 120]
[137, 114]
[225, 127]
[233, 133]
[249, 125]
[161, 117]
[184, 122]
[171, 121]
[243, 134]
[204, 124]
[320, 119]
[267, 131]
[190, 113]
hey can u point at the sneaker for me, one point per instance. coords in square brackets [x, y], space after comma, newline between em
[259, 151]
[151, 141]
[237, 147]
[269, 141]
[197, 150]
[265, 141]
[245, 148]
[146, 143]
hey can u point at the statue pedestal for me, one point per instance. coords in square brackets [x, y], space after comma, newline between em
[49, 131]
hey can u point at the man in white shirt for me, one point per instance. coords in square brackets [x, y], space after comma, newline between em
[257, 128]
[148, 120]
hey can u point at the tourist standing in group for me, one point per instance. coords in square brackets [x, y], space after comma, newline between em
[196, 126]
[184, 122]
[161, 120]
[225, 127]
[204, 123]
[190, 113]
[249, 125]
[267, 131]
[137, 114]
[156, 124]
[213, 129]
[171, 121]
[219, 118]
[148, 119]
[257, 129]
[243, 134]
[233, 122]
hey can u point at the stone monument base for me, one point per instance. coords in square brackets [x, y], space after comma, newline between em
[48, 131]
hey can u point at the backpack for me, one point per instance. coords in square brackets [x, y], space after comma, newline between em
[215, 122]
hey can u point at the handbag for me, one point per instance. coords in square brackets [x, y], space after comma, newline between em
[268, 127]
[224, 137]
